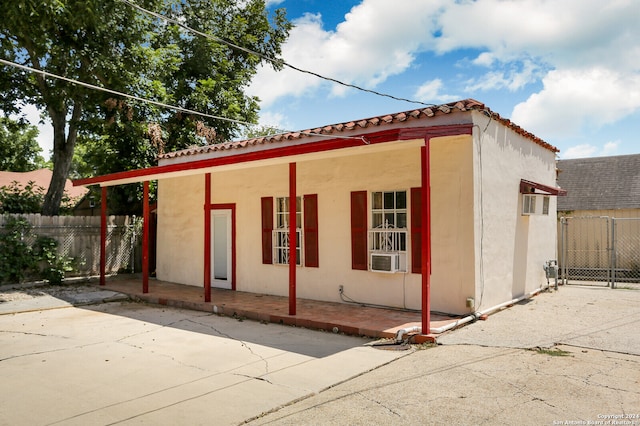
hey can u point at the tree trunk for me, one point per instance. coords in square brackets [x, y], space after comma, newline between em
[63, 147]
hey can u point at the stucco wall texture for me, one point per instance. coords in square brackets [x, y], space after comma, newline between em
[482, 247]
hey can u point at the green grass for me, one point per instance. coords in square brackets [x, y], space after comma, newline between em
[551, 351]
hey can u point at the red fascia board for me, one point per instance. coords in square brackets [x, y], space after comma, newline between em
[290, 150]
[529, 187]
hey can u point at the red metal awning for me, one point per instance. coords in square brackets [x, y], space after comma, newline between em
[529, 187]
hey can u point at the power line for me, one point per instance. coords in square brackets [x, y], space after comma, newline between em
[277, 62]
[161, 104]
[125, 95]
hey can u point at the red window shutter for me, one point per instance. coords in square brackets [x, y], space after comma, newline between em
[416, 230]
[359, 230]
[267, 228]
[310, 209]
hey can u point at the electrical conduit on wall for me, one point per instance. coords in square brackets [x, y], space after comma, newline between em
[400, 334]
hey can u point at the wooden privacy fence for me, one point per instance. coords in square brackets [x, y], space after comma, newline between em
[78, 237]
[599, 249]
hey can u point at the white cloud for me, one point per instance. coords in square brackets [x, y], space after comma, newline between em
[588, 150]
[429, 92]
[270, 3]
[485, 59]
[274, 119]
[514, 77]
[580, 151]
[374, 42]
[610, 148]
[584, 52]
[563, 33]
[579, 98]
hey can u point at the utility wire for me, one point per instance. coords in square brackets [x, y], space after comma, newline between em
[125, 95]
[161, 104]
[278, 62]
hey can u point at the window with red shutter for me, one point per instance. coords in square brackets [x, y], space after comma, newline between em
[267, 230]
[359, 230]
[275, 236]
[310, 210]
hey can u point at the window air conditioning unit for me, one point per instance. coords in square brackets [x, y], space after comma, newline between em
[385, 262]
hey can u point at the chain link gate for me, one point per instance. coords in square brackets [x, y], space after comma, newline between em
[600, 250]
[585, 250]
[626, 251]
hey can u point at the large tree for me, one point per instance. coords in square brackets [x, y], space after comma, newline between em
[19, 149]
[114, 45]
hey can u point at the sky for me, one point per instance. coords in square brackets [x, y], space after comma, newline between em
[566, 70]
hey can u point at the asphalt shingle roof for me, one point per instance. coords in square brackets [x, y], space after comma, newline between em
[600, 183]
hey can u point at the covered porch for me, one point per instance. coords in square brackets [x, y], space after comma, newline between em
[351, 319]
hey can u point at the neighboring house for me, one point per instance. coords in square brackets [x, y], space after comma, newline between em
[42, 178]
[600, 186]
[364, 190]
[600, 233]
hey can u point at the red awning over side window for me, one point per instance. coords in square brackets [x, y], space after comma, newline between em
[528, 187]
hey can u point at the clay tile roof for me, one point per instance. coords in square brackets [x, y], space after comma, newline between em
[42, 178]
[463, 105]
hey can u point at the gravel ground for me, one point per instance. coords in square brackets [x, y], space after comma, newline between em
[13, 293]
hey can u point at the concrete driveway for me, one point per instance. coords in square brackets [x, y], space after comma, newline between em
[127, 363]
[566, 357]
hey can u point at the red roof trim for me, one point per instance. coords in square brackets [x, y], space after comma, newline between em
[334, 129]
[528, 187]
[284, 151]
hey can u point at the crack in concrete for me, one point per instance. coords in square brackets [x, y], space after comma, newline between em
[253, 377]
[26, 333]
[50, 351]
[217, 331]
[172, 358]
[378, 403]
[242, 343]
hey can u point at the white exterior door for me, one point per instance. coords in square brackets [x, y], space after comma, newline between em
[221, 245]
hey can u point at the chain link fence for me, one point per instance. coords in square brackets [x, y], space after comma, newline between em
[600, 250]
[626, 250]
[78, 239]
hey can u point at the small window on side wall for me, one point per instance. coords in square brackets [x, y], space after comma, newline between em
[535, 204]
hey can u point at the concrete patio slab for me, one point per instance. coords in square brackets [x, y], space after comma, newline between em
[139, 364]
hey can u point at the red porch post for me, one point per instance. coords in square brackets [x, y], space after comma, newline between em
[292, 238]
[207, 237]
[426, 239]
[103, 235]
[145, 237]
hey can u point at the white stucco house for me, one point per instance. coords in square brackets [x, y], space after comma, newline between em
[449, 208]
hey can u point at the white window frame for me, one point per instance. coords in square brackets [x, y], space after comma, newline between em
[535, 204]
[386, 237]
[546, 203]
[281, 230]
